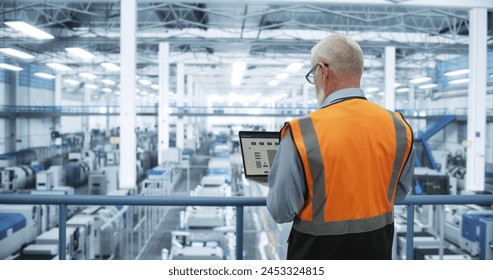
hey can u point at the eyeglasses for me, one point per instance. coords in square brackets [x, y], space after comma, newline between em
[309, 76]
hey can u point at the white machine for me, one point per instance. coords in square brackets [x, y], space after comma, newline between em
[220, 166]
[58, 174]
[50, 237]
[19, 225]
[17, 177]
[112, 177]
[44, 180]
[204, 217]
[97, 183]
[85, 223]
[182, 248]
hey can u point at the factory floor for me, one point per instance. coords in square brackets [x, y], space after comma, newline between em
[256, 220]
[263, 238]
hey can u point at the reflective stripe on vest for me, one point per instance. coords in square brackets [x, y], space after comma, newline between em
[345, 194]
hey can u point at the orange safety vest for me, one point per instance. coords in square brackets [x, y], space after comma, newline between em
[353, 153]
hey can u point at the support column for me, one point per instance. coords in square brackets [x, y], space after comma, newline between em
[389, 97]
[305, 97]
[85, 119]
[190, 103]
[294, 102]
[412, 107]
[476, 116]
[128, 141]
[412, 98]
[180, 95]
[11, 122]
[163, 106]
[57, 101]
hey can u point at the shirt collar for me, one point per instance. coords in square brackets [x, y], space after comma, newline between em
[343, 93]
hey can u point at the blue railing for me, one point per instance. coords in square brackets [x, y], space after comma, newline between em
[239, 202]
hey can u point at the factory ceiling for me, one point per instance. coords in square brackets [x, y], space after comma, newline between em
[268, 35]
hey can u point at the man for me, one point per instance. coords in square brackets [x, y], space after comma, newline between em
[339, 169]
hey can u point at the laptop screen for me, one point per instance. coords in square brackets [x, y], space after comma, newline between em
[258, 149]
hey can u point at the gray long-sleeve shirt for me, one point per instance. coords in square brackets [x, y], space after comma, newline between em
[287, 190]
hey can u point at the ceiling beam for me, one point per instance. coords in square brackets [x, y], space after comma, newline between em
[457, 4]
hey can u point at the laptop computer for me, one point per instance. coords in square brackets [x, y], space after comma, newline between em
[258, 149]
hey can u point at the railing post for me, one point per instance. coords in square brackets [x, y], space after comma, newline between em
[62, 232]
[410, 232]
[239, 232]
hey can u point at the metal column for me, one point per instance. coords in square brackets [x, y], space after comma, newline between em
[11, 122]
[128, 141]
[476, 116]
[85, 119]
[163, 106]
[190, 99]
[180, 96]
[389, 97]
[412, 97]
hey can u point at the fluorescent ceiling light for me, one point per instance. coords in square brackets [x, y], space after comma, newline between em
[86, 75]
[459, 81]
[10, 67]
[402, 90]
[273, 83]
[44, 75]
[239, 66]
[282, 76]
[107, 90]
[155, 86]
[420, 80]
[428, 86]
[371, 89]
[144, 93]
[91, 86]
[71, 82]
[396, 85]
[79, 52]
[110, 66]
[457, 72]
[108, 82]
[295, 66]
[144, 82]
[117, 92]
[16, 53]
[29, 30]
[58, 66]
[381, 93]
[369, 95]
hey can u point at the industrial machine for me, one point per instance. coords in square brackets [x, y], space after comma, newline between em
[220, 166]
[183, 248]
[97, 183]
[38, 250]
[17, 177]
[76, 173]
[429, 181]
[44, 180]
[88, 236]
[19, 226]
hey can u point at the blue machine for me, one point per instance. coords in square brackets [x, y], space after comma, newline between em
[477, 232]
[486, 238]
[14, 221]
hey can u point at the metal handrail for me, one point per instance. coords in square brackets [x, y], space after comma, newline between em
[240, 202]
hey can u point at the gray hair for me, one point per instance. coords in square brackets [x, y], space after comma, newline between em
[342, 53]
